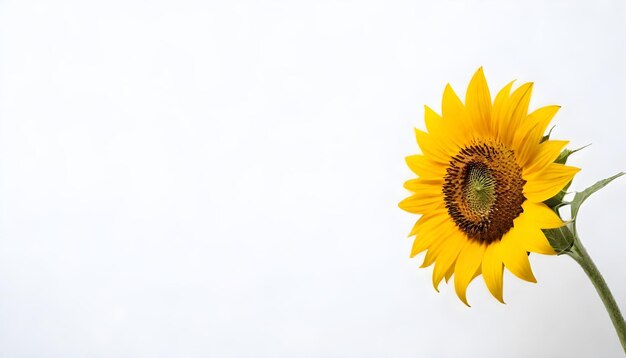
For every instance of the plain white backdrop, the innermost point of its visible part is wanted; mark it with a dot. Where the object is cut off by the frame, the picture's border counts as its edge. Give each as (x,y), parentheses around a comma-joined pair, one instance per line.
(221,178)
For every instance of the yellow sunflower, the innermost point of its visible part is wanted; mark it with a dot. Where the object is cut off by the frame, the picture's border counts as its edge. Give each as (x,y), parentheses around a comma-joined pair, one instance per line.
(482,181)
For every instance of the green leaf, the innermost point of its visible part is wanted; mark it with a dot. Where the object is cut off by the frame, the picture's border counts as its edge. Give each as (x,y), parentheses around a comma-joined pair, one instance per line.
(580,197)
(560,239)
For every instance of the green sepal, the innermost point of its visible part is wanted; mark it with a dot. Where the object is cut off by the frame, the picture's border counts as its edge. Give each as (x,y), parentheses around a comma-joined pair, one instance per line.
(562,158)
(580,197)
(547,136)
(560,239)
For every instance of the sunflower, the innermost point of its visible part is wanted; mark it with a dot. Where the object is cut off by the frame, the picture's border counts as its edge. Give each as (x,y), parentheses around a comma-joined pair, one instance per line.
(483,177)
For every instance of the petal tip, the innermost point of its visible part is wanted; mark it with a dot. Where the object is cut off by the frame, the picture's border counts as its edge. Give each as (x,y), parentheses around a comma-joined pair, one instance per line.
(498,296)
(448,91)
(461,292)
(403,205)
(436,285)
(465,301)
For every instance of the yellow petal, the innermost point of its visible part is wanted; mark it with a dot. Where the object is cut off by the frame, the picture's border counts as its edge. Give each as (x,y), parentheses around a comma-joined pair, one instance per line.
(424,167)
(452,108)
(515,257)
(467,264)
(493,268)
(421,243)
(418,204)
(541,186)
(434,122)
(433,251)
(436,127)
(546,153)
(478,101)
(447,257)
(443,235)
(427,233)
(447,134)
(516,109)
(540,215)
(431,239)
(478,271)
(450,272)
(430,220)
(431,148)
(499,109)
(534,240)
(427,187)
(531,132)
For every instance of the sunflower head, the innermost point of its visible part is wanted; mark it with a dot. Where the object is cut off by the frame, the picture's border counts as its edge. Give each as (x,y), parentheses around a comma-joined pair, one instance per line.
(482,179)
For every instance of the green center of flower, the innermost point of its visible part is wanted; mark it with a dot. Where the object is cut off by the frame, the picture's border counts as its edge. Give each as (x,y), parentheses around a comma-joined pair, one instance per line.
(483,191)
(479,189)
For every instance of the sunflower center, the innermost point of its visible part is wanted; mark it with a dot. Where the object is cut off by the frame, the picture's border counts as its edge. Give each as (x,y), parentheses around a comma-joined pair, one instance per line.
(483,190)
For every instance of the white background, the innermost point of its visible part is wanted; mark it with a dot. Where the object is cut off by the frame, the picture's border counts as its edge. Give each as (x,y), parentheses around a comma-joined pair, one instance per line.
(221,178)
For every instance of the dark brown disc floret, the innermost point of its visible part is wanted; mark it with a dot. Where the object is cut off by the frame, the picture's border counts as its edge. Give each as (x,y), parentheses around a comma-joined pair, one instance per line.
(483,191)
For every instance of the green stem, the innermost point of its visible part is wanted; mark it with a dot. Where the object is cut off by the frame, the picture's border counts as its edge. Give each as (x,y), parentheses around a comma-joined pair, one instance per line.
(578,253)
